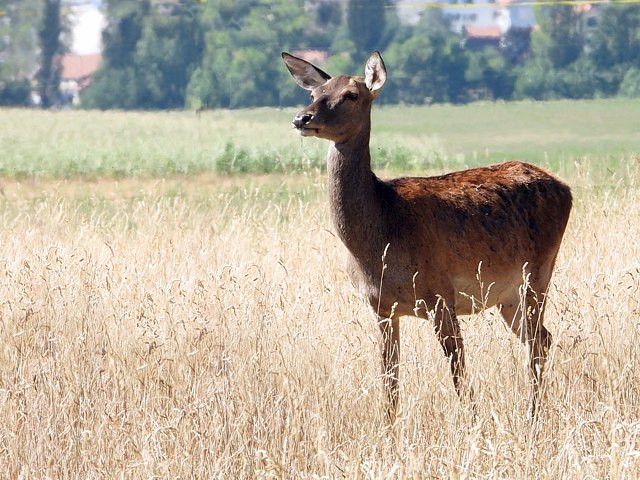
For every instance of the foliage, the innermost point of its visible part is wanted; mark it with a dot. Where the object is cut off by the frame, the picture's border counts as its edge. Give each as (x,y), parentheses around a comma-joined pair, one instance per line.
(487,76)
(617,40)
(560,39)
(115,85)
(429,65)
(18,38)
(630,86)
(241,64)
(149,56)
(166,54)
(540,82)
(516,46)
(614,48)
(225,54)
(51,46)
(366,22)
(113,88)
(15,93)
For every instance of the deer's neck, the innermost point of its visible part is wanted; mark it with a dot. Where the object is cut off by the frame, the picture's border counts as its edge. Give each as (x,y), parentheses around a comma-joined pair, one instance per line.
(356,210)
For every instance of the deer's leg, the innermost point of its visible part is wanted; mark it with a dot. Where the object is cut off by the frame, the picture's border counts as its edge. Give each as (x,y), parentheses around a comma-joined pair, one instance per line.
(390,343)
(448,333)
(525,315)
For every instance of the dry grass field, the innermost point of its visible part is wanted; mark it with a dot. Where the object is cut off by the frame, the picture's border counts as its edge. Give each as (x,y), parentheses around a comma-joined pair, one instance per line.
(204,327)
(199,334)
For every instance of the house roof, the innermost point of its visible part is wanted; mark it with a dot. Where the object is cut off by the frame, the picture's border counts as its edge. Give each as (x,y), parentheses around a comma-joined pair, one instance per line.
(78,67)
(582,8)
(488,33)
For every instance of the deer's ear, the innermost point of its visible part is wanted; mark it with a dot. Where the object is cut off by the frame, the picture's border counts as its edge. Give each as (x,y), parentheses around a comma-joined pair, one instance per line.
(375,73)
(306,75)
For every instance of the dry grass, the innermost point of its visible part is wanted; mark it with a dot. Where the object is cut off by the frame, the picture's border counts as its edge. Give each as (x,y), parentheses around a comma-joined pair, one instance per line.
(188,329)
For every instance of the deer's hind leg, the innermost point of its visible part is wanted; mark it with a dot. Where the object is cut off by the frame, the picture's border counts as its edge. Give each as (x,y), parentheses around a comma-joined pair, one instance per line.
(524,314)
(448,332)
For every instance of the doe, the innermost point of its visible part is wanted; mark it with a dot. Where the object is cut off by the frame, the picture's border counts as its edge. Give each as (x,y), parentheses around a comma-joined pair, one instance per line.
(435,232)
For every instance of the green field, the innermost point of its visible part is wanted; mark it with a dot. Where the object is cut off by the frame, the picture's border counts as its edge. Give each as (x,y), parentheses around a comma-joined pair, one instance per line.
(174,303)
(595,134)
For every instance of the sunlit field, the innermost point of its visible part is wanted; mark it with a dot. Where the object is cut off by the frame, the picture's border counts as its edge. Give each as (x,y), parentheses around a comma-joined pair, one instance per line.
(161,317)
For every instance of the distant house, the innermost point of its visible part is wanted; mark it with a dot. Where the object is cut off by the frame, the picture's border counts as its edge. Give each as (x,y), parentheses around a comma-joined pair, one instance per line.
(76,73)
(478,37)
(478,18)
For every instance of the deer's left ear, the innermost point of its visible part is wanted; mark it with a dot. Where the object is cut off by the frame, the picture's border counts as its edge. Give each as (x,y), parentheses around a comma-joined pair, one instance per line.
(375,73)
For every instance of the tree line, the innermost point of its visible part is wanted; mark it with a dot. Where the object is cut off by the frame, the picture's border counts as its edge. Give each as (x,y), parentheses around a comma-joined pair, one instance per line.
(31,39)
(226,53)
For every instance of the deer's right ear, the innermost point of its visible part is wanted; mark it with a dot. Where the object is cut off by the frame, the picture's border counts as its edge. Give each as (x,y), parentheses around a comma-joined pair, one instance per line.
(306,75)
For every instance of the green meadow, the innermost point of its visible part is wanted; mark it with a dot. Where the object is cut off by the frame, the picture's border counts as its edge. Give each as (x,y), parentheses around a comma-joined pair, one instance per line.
(559,135)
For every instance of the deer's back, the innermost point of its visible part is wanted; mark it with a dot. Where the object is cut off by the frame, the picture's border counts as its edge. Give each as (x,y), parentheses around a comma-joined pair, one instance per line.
(488,202)
(503,216)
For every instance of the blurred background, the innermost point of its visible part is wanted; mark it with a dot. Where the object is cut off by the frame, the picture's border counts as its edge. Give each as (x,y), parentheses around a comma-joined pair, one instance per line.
(205,54)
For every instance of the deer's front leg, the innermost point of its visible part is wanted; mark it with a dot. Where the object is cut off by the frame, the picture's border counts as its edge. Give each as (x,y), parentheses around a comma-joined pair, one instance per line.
(390,343)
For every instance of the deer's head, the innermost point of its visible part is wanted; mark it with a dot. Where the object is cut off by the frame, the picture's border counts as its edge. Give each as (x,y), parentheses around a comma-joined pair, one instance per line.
(340,106)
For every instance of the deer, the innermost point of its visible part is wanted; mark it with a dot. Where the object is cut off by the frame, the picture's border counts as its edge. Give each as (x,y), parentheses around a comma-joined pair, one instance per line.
(416,245)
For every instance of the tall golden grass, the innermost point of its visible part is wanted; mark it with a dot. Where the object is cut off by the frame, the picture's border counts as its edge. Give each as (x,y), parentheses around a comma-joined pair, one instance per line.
(206,328)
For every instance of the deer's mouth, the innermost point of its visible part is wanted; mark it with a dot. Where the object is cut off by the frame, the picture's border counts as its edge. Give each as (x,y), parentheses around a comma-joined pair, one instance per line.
(308,132)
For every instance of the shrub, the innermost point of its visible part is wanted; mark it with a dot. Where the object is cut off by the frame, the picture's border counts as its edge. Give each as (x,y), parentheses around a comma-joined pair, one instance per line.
(630,86)
(15,93)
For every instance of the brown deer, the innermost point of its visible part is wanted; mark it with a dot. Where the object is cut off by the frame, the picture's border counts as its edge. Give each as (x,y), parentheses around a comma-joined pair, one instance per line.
(435,233)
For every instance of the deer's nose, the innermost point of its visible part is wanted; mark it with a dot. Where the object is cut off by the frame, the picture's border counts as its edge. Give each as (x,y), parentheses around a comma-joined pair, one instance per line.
(302,119)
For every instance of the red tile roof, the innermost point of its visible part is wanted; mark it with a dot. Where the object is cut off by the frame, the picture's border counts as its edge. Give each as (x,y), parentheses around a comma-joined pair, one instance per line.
(78,67)
(471,31)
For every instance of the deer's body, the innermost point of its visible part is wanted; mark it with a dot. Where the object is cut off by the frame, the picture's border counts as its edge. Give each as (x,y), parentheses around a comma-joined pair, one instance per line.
(453,242)
(504,216)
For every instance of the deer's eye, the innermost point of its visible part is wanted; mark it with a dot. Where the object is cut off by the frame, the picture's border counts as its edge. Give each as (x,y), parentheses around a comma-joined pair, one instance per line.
(353,96)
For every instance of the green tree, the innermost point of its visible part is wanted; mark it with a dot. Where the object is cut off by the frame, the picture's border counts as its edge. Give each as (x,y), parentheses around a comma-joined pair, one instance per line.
(366,22)
(325,20)
(630,85)
(614,47)
(533,81)
(616,39)
(576,81)
(240,65)
(18,49)
(19,38)
(124,29)
(556,68)
(517,46)
(560,40)
(117,84)
(429,65)
(15,92)
(51,46)
(166,55)
(328,14)
(488,75)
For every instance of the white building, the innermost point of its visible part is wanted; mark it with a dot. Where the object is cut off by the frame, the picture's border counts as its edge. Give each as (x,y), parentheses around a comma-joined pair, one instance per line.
(475,15)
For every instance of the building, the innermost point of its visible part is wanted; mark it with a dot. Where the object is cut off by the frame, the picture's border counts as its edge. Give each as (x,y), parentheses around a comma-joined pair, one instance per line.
(473,15)
(75,74)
